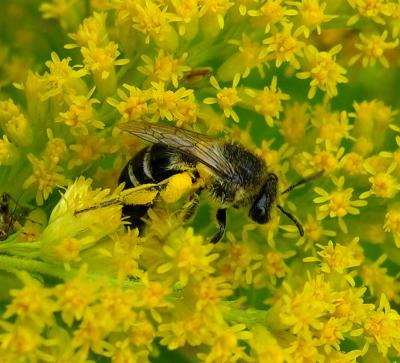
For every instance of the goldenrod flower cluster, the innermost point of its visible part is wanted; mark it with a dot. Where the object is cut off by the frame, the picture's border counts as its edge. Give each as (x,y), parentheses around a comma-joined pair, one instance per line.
(306,85)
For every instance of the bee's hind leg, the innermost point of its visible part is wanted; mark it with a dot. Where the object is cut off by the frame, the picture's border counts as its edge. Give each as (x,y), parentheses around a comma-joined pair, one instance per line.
(221,219)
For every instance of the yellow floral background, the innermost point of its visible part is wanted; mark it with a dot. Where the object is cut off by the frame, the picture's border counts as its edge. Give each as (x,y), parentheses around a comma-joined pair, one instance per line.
(307,85)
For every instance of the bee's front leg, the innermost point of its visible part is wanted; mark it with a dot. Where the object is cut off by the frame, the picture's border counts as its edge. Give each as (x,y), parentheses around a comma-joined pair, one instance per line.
(221,219)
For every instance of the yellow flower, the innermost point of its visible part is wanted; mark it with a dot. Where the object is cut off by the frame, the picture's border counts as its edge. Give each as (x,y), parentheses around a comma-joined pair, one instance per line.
(383,184)
(47,177)
(215,9)
(188,13)
(294,123)
(165,68)
(381,327)
(270,13)
(312,14)
(67,12)
(339,258)
(88,149)
(226,97)
(32,303)
(75,296)
(155,24)
(268,102)
(165,102)
(314,232)
(338,203)
(91,30)
(372,48)
(225,344)
(101,61)
(285,47)
(62,80)
(23,340)
(80,114)
(55,148)
(133,106)
(189,257)
(331,126)
(378,281)
(373,9)
(325,72)
(250,55)
(392,224)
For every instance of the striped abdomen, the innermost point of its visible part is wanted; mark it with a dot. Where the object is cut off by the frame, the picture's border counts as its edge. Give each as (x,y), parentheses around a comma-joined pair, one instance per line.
(152,164)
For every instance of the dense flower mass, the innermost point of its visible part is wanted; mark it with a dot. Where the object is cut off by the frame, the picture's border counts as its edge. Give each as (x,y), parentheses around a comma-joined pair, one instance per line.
(308,86)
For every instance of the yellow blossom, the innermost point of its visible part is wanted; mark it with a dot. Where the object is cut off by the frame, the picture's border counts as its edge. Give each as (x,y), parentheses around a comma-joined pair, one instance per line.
(268,102)
(381,327)
(392,224)
(80,115)
(379,281)
(188,13)
(314,232)
(164,68)
(338,203)
(165,102)
(101,61)
(214,9)
(339,258)
(294,123)
(133,106)
(155,24)
(372,49)
(373,9)
(383,184)
(91,30)
(352,164)
(19,130)
(89,148)
(62,80)
(226,97)
(285,47)
(23,340)
(55,148)
(325,72)
(312,14)
(225,346)
(32,303)
(67,12)
(250,55)
(188,257)
(47,177)
(270,13)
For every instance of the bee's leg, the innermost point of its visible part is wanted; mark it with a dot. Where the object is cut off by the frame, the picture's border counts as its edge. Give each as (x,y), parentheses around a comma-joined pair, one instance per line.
(221,219)
(134,214)
(189,209)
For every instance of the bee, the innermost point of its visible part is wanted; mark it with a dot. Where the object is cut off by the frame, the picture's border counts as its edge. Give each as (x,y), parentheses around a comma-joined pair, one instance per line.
(7,217)
(235,177)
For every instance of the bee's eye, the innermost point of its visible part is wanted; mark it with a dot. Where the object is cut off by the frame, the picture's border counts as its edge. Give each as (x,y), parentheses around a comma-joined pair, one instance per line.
(259,211)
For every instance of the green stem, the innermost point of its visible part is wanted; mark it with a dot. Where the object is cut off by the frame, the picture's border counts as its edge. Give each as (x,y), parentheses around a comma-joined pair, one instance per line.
(245,316)
(12,264)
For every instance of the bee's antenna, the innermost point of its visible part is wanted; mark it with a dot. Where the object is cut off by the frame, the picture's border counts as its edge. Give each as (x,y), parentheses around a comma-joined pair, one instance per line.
(303,181)
(293,219)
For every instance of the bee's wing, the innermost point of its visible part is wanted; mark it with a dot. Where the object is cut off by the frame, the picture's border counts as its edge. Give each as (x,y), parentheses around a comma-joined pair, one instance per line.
(205,149)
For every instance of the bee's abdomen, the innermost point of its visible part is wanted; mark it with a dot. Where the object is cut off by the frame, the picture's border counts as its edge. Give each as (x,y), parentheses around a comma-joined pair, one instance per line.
(154,164)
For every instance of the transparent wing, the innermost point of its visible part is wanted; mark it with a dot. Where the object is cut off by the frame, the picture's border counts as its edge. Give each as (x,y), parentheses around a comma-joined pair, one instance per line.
(205,149)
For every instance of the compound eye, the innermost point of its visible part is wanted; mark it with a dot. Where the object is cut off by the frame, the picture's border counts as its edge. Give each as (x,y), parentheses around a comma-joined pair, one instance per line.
(258,211)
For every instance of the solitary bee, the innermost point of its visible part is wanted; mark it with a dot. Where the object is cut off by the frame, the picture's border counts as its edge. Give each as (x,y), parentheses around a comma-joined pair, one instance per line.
(235,177)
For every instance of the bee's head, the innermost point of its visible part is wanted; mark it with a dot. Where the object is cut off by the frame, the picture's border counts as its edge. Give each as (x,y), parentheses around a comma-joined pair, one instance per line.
(260,210)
